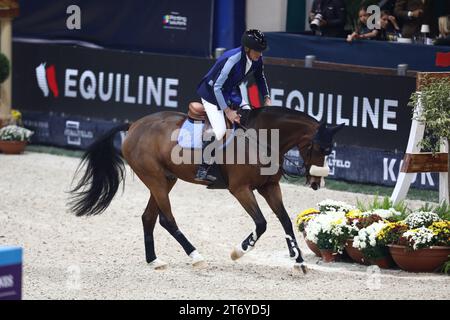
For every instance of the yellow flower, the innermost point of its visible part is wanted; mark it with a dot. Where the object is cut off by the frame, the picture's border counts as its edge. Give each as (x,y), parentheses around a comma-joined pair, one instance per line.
(440,227)
(305,215)
(15,114)
(355,213)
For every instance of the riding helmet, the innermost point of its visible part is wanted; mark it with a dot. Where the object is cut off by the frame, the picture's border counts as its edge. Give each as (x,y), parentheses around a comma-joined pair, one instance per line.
(254,39)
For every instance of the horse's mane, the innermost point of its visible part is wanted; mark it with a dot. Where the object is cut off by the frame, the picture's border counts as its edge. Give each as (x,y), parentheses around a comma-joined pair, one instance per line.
(280,111)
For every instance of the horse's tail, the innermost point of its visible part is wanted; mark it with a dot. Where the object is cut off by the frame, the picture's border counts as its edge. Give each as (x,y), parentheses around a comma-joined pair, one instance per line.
(105,170)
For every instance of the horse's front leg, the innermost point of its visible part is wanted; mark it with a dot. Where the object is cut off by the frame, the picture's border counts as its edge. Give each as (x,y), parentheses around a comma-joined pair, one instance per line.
(272,193)
(247,199)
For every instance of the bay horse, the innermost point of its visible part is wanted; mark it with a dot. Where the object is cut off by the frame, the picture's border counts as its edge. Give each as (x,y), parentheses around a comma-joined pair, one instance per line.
(147,149)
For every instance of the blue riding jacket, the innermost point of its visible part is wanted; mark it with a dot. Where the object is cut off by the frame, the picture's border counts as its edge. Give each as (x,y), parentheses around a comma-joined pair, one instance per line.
(220,85)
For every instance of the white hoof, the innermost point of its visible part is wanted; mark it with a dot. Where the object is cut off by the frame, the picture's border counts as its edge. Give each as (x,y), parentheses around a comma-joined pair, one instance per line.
(238,252)
(300,267)
(158,264)
(197,259)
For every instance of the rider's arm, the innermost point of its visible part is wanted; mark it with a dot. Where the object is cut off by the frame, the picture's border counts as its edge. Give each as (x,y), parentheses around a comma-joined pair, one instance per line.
(261,81)
(223,76)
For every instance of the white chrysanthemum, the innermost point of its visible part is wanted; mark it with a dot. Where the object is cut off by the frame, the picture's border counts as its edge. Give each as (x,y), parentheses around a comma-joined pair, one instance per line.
(330,206)
(420,238)
(368,236)
(15,133)
(421,219)
(386,213)
(332,223)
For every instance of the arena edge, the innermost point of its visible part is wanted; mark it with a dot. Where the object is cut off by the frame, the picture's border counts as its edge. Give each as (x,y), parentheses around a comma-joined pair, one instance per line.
(162,92)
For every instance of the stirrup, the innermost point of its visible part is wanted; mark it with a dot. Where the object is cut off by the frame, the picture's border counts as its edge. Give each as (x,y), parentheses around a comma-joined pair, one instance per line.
(202,174)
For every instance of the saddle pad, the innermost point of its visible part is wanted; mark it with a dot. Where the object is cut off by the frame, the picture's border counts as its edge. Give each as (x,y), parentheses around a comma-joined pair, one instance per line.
(190,135)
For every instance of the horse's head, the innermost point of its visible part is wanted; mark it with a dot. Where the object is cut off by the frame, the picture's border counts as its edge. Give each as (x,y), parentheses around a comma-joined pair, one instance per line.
(314,153)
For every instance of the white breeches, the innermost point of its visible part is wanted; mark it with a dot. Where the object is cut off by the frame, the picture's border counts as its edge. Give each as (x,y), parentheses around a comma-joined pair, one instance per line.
(216,118)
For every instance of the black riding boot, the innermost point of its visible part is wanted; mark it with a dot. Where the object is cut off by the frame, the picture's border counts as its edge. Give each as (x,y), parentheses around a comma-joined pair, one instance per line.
(202,172)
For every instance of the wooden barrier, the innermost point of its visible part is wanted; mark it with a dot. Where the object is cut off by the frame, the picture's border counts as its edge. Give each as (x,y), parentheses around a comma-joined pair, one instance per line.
(415,161)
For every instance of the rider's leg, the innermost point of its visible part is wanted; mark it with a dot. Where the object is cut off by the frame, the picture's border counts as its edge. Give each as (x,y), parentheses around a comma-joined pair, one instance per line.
(217,119)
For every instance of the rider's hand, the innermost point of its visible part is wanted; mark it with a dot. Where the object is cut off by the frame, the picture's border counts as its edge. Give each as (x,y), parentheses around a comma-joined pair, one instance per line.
(232,115)
(267,102)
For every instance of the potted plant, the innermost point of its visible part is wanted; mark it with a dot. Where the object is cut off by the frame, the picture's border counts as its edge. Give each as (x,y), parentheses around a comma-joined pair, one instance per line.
(325,207)
(4,74)
(421,243)
(329,231)
(372,246)
(301,222)
(434,98)
(13,139)
(358,220)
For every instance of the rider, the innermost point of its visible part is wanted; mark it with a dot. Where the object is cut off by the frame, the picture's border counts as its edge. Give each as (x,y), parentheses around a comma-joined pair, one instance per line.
(217,89)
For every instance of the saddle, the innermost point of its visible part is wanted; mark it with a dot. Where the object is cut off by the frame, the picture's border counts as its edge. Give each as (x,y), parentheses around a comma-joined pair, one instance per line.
(197,111)
(191,135)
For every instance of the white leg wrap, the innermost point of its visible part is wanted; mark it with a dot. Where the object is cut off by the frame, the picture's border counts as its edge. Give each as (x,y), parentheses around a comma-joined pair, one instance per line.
(196,257)
(158,264)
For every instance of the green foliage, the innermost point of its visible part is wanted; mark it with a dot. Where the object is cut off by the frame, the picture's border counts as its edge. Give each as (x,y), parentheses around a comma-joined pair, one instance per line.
(435,98)
(385,203)
(4,68)
(375,253)
(446,267)
(442,209)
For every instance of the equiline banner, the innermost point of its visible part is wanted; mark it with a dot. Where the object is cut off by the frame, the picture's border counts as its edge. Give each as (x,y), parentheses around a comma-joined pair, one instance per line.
(70,95)
(119,85)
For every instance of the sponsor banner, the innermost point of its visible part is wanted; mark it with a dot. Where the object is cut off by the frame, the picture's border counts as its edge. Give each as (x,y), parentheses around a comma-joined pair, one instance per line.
(68,131)
(373,108)
(366,165)
(10,273)
(104,84)
(108,84)
(353,164)
(170,26)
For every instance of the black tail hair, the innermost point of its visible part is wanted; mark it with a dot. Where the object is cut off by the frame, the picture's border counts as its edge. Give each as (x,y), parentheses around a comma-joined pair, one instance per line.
(105,170)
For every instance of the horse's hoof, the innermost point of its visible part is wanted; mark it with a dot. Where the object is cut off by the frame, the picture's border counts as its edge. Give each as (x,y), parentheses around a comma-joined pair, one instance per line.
(197,260)
(300,267)
(158,264)
(200,264)
(236,253)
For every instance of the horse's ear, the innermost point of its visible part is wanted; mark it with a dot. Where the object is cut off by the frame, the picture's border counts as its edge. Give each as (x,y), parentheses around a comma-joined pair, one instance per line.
(334,130)
(322,126)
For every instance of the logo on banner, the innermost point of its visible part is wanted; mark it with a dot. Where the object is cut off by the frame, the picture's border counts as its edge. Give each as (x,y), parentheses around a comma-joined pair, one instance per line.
(390,173)
(46,79)
(106,87)
(175,21)
(334,163)
(74,134)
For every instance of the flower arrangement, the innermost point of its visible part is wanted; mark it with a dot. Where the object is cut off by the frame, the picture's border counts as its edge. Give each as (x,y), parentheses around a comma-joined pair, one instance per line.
(329,205)
(369,243)
(304,216)
(417,231)
(421,219)
(15,133)
(381,234)
(329,231)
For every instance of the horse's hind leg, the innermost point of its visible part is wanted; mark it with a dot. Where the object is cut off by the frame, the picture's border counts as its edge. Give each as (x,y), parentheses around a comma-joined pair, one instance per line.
(168,222)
